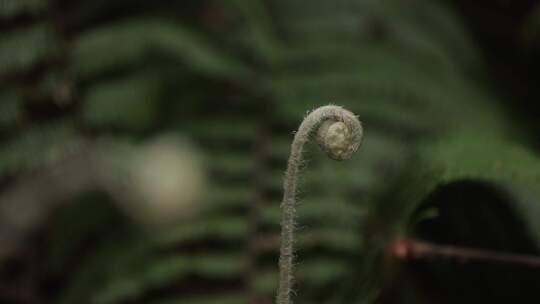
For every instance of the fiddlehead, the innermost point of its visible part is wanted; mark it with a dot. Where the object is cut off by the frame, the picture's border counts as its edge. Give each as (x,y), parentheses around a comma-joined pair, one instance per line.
(339,135)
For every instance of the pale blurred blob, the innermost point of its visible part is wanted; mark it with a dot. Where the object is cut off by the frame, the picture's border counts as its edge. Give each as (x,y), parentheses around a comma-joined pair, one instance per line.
(163,183)
(157,183)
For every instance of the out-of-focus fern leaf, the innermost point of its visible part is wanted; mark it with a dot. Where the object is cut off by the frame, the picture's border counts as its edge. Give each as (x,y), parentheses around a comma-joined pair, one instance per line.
(404,68)
(144,41)
(531,27)
(12,8)
(467,158)
(221,298)
(130,103)
(155,273)
(11,108)
(258,34)
(509,168)
(36,147)
(21,49)
(92,276)
(69,231)
(228,229)
(228,132)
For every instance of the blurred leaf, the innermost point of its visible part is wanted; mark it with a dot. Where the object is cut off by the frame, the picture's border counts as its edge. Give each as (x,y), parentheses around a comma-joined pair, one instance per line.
(131,103)
(24,48)
(12,8)
(134,42)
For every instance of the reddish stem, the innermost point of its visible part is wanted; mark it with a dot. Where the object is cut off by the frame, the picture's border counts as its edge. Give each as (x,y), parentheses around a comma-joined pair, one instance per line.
(413,249)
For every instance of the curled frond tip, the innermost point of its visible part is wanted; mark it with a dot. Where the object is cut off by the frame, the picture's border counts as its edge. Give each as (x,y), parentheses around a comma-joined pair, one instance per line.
(339,134)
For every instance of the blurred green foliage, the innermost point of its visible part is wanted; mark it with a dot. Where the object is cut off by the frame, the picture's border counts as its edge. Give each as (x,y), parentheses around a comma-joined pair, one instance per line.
(236,77)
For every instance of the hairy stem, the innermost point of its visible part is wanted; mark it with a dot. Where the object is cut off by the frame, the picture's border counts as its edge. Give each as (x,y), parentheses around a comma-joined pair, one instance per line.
(339,135)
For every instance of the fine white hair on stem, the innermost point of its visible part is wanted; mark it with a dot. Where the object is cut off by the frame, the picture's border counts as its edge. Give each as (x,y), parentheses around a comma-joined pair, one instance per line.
(339,134)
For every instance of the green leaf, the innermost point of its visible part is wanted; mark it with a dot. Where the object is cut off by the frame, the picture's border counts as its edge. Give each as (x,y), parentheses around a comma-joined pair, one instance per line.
(11,108)
(498,162)
(129,103)
(12,8)
(22,49)
(137,42)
